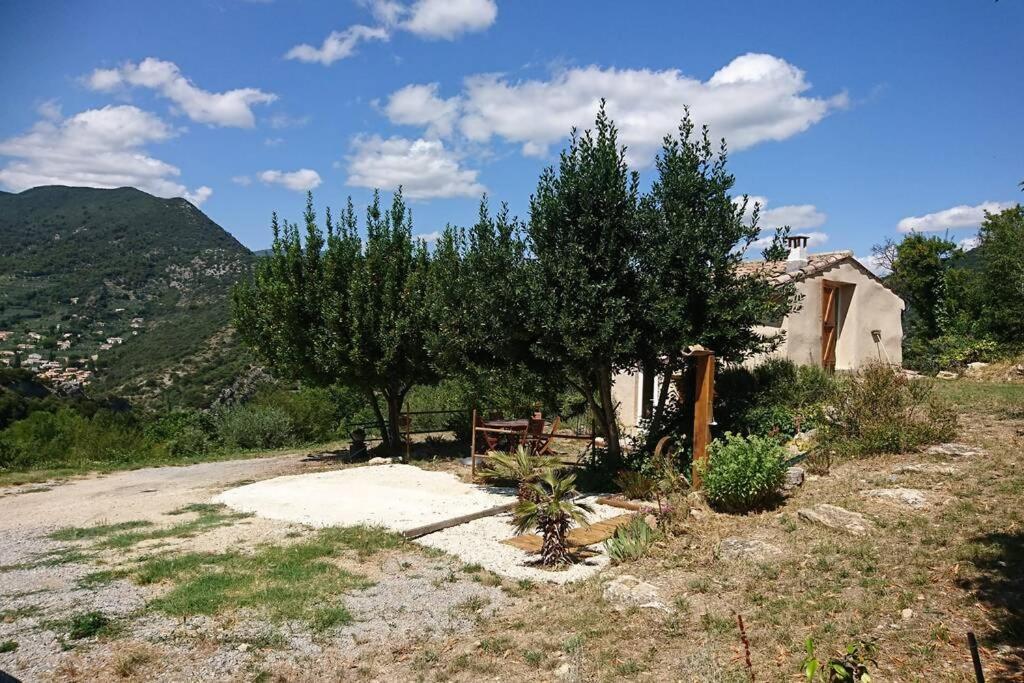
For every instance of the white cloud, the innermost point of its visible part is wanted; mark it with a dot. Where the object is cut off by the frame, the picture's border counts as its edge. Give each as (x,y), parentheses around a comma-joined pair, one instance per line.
(424,168)
(874,264)
(431,19)
(796,216)
(286,121)
(419,105)
(447,19)
(94,148)
(200,195)
(969,243)
(242,180)
(337,45)
(430,237)
(50,110)
(229,108)
(753,99)
(962,216)
(273,142)
(301,180)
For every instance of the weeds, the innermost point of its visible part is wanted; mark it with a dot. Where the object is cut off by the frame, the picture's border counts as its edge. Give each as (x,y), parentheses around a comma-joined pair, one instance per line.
(631,541)
(8,646)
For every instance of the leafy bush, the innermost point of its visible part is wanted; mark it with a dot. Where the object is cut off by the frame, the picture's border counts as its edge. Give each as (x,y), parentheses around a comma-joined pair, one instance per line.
(252,426)
(743,473)
(879,410)
(631,542)
(312,412)
(776,397)
(66,438)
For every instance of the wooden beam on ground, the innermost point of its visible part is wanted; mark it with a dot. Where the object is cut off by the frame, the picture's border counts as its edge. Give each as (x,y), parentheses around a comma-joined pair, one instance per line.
(455,521)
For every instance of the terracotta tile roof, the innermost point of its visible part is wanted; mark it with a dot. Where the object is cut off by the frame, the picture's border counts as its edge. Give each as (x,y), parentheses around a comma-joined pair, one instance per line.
(776,270)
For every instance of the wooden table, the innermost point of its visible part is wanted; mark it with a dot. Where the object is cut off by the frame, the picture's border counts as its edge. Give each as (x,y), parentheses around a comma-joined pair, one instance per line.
(511,425)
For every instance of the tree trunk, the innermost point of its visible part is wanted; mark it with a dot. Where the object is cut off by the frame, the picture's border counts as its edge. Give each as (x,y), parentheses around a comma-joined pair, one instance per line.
(395,398)
(609,417)
(381,424)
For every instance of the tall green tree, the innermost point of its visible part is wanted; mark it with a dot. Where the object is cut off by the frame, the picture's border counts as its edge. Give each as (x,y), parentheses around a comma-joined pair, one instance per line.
(918,266)
(1001,244)
(583,231)
(695,238)
(333,309)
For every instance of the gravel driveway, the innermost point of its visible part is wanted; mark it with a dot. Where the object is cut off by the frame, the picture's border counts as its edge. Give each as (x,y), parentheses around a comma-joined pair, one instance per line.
(416,595)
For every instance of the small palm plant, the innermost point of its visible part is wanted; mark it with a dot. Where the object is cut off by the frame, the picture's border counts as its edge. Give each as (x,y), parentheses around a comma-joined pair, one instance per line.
(519,467)
(551,510)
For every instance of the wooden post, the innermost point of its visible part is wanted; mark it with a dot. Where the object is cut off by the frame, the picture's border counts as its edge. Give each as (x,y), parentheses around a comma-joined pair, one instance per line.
(704,392)
(472,448)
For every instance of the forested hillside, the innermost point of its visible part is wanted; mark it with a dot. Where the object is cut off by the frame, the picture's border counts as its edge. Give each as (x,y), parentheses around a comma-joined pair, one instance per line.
(118,289)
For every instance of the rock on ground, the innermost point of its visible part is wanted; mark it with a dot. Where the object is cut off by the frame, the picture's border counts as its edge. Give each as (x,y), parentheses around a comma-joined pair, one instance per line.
(751,549)
(909,497)
(794,478)
(629,591)
(946,374)
(836,518)
(955,450)
(924,468)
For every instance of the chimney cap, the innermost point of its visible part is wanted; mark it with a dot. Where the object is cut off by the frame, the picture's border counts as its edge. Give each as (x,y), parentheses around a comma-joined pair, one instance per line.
(796,241)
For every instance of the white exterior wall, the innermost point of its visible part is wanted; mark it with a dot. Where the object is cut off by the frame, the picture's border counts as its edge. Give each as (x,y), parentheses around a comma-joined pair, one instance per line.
(865,305)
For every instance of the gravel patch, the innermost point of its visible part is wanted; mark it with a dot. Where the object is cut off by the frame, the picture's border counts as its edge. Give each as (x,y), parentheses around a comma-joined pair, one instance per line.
(397,497)
(479,542)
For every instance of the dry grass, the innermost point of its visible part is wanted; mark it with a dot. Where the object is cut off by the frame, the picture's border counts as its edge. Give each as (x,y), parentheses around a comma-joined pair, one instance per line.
(957,565)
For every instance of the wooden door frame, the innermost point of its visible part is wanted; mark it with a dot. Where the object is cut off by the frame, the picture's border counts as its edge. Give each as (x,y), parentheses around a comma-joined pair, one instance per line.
(830,324)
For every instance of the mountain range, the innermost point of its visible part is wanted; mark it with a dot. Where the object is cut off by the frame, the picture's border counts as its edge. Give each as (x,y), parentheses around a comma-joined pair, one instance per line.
(130,288)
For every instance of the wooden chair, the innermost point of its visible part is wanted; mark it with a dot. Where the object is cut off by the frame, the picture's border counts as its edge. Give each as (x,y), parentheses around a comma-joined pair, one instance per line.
(486,441)
(543,444)
(534,432)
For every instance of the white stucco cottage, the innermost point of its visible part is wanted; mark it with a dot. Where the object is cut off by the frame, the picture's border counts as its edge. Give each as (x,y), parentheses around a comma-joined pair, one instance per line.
(847,317)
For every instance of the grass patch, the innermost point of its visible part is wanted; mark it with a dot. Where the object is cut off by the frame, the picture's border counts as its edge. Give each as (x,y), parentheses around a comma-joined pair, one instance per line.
(365,540)
(326,618)
(127,664)
(209,517)
(90,624)
(1000,398)
(8,616)
(283,582)
(102,578)
(8,646)
(74,533)
(53,558)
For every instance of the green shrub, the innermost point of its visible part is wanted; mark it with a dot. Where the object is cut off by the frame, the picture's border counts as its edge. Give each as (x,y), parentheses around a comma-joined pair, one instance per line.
(312,412)
(631,542)
(743,473)
(776,397)
(66,438)
(251,426)
(879,410)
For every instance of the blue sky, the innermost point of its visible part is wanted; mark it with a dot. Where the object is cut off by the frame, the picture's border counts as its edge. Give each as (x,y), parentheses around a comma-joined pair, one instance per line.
(852,121)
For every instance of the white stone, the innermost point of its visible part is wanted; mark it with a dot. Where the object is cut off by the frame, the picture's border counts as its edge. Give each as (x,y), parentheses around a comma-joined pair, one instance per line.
(909,497)
(794,477)
(955,450)
(946,374)
(837,518)
(925,468)
(628,591)
(907,614)
(752,549)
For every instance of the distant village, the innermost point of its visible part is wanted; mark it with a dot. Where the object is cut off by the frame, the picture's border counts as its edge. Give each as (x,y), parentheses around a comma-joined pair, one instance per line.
(66,360)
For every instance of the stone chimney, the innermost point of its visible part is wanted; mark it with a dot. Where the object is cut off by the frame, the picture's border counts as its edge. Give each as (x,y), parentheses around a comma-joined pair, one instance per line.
(797,252)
